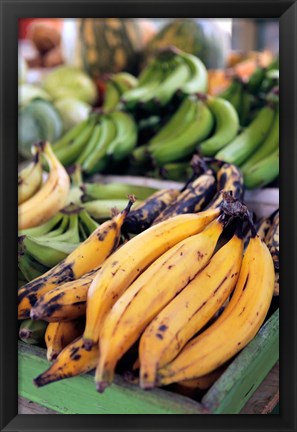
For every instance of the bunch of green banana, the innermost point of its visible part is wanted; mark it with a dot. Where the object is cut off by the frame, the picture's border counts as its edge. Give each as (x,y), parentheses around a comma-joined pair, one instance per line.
(115,86)
(170,72)
(43,247)
(87,256)
(98,142)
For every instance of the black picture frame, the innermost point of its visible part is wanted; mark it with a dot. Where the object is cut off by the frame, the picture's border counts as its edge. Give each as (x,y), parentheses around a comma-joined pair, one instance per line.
(286,11)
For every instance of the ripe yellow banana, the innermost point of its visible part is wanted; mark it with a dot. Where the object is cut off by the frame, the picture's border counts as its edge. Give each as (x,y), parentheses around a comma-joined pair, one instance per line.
(128,262)
(165,337)
(30,178)
(237,325)
(50,198)
(86,257)
(72,361)
(59,334)
(150,292)
(64,303)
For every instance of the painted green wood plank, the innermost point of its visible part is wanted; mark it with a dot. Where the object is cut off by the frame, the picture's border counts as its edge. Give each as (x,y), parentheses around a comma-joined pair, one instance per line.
(240,380)
(78,395)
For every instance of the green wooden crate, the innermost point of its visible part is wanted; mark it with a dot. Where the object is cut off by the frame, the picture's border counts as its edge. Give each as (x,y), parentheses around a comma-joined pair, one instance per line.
(227,396)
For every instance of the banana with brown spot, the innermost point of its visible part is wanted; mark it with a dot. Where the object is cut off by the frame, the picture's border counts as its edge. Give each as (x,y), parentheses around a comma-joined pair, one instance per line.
(59,334)
(72,361)
(128,262)
(150,293)
(165,337)
(241,320)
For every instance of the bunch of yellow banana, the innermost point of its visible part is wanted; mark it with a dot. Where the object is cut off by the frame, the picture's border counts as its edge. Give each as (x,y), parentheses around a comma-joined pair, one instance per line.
(38,201)
(183,288)
(240,321)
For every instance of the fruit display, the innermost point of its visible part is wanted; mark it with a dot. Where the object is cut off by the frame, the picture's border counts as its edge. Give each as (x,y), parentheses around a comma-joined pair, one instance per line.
(147,255)
(122,300)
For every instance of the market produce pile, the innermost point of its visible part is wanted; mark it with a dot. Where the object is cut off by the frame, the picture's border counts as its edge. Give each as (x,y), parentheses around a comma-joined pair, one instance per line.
(163,275)
(151,277)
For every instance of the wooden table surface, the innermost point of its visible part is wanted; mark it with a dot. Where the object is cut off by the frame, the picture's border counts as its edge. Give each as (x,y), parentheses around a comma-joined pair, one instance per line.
(263,400)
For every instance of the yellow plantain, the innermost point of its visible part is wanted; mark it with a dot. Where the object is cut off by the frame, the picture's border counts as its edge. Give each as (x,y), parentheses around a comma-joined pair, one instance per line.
(190,310)
(64,303)
(150,293)
(237,325)
(86,257)
(50,198)
(128,262)
(30,178)
(72,361)
(59,334)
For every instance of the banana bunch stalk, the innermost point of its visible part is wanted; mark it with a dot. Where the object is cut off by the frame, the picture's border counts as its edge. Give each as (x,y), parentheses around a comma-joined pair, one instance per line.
(98,142)
(89,255)
(170,72)
(51,196)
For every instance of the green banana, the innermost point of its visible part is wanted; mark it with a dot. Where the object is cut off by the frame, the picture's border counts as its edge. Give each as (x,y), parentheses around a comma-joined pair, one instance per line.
(57,231)
(148,80)
(263,172)
(91,144)
(247,101)
(270,143)
(98,160)
(185,144)
(256,79)
(95,191)
(178,171)
(44,228)
(49,253)
(29,267)
(173,80)
(68,154)
(198,81)
(126,136)
(177,124)
(226,125)
(103,209)
(86,223)
(112,96)
(70,136)
(32,332)
(239,150)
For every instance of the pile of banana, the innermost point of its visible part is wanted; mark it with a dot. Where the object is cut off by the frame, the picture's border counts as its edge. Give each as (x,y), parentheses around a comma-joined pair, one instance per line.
(99,142)
(118,292)
(171,71)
